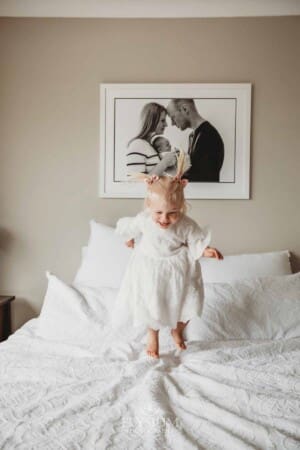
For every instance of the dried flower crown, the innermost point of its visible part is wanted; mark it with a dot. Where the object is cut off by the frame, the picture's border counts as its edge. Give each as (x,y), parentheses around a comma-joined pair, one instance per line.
(183,165)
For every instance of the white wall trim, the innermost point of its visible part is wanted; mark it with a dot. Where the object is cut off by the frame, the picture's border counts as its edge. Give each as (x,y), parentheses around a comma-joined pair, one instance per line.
(148,9)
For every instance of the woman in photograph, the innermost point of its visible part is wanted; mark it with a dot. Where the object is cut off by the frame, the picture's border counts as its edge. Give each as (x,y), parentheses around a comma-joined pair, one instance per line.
(142,156)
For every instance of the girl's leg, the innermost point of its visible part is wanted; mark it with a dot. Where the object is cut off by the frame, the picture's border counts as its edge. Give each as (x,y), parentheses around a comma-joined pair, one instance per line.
(152,343)
(177,335)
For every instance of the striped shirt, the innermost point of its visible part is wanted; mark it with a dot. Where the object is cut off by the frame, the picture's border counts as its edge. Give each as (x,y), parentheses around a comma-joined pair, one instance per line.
(141,157)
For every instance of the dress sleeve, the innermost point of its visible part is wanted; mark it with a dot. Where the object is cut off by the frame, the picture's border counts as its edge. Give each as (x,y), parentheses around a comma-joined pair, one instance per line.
(130,227)
(198,239)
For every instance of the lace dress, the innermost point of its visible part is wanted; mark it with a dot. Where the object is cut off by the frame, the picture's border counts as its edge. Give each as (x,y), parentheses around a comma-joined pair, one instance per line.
(162,283)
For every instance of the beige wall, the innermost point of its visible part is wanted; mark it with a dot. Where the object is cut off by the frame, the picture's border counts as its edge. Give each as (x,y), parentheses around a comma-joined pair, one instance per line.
(49,119)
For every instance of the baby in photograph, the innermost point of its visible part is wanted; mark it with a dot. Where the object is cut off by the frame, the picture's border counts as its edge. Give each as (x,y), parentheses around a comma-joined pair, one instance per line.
(162,146)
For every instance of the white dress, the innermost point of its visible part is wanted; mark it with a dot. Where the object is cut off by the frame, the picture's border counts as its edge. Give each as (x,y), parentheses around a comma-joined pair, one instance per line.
(162,284)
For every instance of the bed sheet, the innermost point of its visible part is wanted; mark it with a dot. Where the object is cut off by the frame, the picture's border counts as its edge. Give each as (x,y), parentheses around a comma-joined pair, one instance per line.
(214,395)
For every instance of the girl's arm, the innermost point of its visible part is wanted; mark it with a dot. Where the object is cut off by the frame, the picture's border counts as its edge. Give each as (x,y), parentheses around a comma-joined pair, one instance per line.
(198,239)
(130,228)
(211,252)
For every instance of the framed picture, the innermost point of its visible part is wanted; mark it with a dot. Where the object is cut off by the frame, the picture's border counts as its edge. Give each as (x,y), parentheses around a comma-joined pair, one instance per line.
(142,126)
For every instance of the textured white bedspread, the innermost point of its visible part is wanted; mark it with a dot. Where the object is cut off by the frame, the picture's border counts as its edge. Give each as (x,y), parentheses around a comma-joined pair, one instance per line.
(224,395)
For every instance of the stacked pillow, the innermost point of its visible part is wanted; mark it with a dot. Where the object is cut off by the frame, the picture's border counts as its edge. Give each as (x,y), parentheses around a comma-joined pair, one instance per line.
(257,308)
(106,256)
(239,267)
(104,260)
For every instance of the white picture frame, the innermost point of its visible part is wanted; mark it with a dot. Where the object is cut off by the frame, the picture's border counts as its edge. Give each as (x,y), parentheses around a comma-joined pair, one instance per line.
(226,106)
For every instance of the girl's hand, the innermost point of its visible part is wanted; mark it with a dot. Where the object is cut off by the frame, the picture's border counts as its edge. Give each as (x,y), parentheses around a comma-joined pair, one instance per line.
(211,252)
(130,243)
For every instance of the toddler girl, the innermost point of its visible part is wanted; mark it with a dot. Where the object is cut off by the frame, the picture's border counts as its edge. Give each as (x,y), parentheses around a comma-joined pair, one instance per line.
(162,285)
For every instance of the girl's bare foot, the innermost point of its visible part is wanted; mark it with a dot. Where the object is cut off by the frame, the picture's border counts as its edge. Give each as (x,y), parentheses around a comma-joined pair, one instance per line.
(152,343)
(177,335)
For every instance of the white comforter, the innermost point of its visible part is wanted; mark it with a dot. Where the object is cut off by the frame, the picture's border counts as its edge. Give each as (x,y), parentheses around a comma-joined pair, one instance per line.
(222,395)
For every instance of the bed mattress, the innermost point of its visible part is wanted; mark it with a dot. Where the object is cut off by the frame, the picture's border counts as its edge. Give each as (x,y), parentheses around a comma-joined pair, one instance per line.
(214,395)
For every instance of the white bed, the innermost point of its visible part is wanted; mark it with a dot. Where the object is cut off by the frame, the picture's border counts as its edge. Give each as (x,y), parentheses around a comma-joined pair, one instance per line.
(68,382)
(215,395)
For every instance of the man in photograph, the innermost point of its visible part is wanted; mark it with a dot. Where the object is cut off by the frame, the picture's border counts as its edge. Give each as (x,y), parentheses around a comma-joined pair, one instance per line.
(206,147)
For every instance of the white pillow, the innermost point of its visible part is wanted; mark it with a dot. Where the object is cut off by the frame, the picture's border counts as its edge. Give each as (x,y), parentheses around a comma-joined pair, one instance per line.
(81,317)
(261,308)
(105,259)
(83,251)
(238,267)
(74,317)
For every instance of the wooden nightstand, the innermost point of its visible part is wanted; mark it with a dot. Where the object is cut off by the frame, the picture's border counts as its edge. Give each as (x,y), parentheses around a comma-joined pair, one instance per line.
(5,316)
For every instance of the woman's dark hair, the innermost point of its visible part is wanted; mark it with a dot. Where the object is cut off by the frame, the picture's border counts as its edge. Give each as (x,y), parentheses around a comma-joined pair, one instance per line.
(150,116)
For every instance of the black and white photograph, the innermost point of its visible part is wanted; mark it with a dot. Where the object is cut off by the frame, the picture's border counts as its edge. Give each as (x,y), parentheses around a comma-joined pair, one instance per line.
(142,133)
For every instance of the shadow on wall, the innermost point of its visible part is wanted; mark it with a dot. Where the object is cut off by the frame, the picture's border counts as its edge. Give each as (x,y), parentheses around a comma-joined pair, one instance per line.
(6,240)
(21,308)
(22,311)
(295,262)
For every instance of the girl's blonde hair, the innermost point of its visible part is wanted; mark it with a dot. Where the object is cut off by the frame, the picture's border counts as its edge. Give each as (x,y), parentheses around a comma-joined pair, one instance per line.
(168,188)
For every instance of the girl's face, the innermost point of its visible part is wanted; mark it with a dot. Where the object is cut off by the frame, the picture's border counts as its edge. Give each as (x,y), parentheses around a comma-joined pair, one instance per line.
(163,213)
(161,124)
